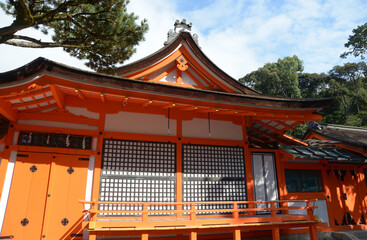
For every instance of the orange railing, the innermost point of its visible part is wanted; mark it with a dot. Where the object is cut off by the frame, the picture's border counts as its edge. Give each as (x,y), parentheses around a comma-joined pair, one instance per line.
(143,215)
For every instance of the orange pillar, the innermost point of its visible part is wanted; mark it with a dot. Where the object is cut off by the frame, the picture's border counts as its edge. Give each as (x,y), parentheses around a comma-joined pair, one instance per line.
(193,235)
(237,234)
(248,167)
(275,233)
(313,232)
(92,236)
(144,236)
(179,167)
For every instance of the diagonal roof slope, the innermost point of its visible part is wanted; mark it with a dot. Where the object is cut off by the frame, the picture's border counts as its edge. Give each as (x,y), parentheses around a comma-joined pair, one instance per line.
(185,43)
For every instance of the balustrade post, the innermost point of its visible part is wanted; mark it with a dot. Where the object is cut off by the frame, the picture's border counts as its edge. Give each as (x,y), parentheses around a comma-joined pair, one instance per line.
(309,208)
(192,212)
(145,212)
(93,212)
(275,233)
(273,212)
(144,236)
(235,213)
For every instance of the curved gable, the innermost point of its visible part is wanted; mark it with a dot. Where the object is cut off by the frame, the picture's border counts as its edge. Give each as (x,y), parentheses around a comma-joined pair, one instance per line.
(182,63)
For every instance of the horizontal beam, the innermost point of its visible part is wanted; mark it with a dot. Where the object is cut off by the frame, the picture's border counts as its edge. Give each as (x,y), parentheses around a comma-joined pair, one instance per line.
(59,118)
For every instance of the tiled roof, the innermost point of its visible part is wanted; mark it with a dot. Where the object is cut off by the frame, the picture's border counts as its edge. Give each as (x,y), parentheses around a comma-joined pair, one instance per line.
(331,154)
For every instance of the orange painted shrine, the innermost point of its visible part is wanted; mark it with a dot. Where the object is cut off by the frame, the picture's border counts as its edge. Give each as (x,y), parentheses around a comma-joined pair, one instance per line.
(170,148)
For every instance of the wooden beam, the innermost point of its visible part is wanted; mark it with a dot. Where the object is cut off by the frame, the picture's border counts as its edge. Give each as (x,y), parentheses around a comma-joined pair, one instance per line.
(59,116)
(208,110)
(103,98)
(147,103)
(189,108)
(295,139)
(124,102)
(171,105)
(79,94)
(7,111)
(58,95)
(162,75)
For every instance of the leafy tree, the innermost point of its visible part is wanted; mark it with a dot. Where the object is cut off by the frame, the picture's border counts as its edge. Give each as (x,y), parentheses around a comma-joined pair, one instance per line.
(277,79)
(312,85)
(357,42)
(347,84)
(100,31)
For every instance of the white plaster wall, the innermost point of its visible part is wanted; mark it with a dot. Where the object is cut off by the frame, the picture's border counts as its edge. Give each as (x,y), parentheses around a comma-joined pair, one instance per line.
(139,123)
(187,80)
(198,78)
(171,77)
(321,211)
(82,112)
(57,124)
(199,128)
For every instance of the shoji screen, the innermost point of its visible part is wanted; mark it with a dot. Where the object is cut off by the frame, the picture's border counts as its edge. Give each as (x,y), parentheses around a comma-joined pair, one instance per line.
(213,173)
(137,171)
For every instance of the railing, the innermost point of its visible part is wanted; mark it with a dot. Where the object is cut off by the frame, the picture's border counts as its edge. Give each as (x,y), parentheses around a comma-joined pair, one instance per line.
(239,213)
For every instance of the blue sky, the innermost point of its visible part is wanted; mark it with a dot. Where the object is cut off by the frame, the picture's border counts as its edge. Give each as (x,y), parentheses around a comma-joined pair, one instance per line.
(239,36)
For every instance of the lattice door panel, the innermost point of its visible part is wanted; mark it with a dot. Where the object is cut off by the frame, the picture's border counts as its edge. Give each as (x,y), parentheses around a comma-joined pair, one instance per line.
(213,173)
(136,171)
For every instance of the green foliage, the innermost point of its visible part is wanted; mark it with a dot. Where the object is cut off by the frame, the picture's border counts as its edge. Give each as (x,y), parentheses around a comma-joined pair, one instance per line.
(312,84)
(357,42)
(100,31)
(347,85)
(277,79)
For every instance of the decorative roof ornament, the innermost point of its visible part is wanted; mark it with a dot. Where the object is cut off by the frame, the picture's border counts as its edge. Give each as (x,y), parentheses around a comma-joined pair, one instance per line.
(183,26)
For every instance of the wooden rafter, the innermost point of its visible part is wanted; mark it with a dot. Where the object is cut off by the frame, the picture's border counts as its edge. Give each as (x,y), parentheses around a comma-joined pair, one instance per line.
(103,98)
(49,106)
(124,102)
(267,135)
(79,94)
(170,105)
(31,103)
(147,103)
(286,126)
(280,132)
(28,94)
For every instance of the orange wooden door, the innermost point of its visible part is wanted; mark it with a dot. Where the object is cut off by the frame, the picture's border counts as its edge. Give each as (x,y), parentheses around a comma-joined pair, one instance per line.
(67,184)
(346,201)
(352,198)
(44,197)
(336,201)
(27,197)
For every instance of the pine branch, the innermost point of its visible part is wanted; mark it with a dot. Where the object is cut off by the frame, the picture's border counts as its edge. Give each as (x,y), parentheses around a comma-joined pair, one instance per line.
(28,42)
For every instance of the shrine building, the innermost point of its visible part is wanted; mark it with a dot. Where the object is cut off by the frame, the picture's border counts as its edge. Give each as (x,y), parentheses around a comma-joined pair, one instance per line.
(172,147)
